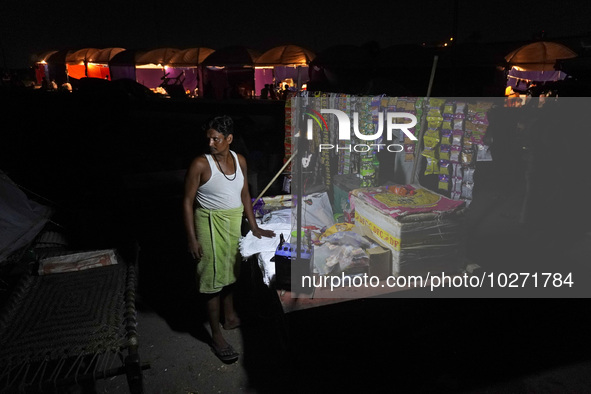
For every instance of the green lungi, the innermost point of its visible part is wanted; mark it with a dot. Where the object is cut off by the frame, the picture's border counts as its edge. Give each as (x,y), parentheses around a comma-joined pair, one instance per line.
(218,232)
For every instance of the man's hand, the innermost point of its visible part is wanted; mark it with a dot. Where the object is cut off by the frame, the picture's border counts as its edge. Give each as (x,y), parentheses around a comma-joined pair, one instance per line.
(258,232)
(195,249)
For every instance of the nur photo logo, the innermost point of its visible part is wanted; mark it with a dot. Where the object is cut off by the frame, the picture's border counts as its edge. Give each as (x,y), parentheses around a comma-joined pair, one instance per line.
(344,130)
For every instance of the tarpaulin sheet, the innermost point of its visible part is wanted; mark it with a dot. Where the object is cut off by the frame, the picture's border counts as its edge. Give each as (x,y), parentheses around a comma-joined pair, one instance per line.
(21,219)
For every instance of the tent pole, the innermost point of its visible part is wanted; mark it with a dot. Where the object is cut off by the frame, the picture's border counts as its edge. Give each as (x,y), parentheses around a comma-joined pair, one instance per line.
(299,192)
(433,68)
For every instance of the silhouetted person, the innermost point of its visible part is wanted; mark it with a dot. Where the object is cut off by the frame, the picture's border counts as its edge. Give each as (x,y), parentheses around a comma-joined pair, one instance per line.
(285,92)
(265,91)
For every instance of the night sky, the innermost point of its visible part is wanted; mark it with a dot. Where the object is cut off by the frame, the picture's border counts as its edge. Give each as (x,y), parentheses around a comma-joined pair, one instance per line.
(28,27)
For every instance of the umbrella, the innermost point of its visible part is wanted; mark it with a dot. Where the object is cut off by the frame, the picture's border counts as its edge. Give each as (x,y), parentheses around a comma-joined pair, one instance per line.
(285,55)
(232,56)
(539,56)
(190,57)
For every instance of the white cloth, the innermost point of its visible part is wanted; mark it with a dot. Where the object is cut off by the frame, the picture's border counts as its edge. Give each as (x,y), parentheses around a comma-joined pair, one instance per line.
(280,222)
(250,245)
(267,266)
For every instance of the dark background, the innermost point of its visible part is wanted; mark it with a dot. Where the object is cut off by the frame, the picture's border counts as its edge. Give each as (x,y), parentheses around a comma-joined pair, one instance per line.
(87,154)
(28,27)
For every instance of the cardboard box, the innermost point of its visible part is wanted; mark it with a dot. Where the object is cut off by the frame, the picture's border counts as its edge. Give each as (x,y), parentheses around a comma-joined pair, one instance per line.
(418,243)
(380,262)
(380,258)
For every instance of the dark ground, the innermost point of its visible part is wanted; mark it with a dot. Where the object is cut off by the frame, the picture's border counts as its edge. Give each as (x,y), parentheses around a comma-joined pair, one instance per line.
(412,343)
(407,344)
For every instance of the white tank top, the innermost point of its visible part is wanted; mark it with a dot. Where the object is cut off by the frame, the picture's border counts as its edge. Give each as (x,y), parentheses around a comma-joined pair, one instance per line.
(219,192)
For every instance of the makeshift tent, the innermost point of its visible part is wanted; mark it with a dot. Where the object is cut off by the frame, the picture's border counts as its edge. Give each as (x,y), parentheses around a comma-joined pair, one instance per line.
(122,65)
(21,219)
(50,66)
(150,66)
(282,62)
(186,64)
(534,63)
(229,72)
(41,66)
(77,62)
(98,63)
(234,56)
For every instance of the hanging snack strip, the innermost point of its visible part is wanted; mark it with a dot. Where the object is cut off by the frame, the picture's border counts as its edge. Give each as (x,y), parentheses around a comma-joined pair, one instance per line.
(455,134)
(367,157)
(325,139)
(413,106)
(432,136)
(344,152)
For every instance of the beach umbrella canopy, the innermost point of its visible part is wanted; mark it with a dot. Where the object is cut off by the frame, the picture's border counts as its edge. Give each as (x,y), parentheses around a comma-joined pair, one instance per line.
(105,55)
(232,56)
(539,56)
(190,57)
(160,56)
(285,55)
(80,56)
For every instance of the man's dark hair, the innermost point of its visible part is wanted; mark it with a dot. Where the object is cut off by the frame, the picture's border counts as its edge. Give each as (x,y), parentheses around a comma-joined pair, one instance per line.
(222,124)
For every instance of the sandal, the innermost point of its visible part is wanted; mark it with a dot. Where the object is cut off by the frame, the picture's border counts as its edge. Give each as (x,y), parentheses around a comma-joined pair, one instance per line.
(227,354)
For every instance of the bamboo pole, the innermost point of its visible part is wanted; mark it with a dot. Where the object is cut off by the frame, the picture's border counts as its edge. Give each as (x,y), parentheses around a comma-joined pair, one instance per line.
(274,178)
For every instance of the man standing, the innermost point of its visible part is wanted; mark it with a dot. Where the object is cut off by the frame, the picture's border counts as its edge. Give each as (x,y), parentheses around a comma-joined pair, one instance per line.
(216,196)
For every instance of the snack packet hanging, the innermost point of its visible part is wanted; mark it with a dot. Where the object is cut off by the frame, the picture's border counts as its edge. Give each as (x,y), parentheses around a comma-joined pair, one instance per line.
(444,166)
(468,174)
(467,188)
(457,137)
(466,157)
(444,151)
(483,153)
(454,154)
(460,112)
(429,152)
(467,141)
(436,103)
(446,136)
(448,108)
(432,167)
(457,170)
(443,182)
(456,185)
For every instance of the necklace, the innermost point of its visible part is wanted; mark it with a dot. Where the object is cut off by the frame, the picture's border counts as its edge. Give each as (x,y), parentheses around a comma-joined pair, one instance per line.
(222,171)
